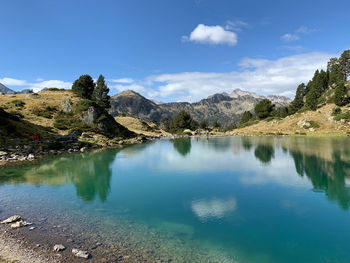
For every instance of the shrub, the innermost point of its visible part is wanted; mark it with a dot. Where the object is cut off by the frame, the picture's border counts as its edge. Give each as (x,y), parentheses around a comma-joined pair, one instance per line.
(247,116)
(336,111)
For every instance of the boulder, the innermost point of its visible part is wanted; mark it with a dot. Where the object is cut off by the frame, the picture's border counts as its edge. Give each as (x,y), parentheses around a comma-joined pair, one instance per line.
(67,105)
(59,248)
(2,153)
(80,253)
(19,224)
(11,219)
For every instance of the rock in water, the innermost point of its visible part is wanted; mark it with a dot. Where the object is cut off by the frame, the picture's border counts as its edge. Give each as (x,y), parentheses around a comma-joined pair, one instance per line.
(12,219)
(19,224)
(80,253)
(59,248)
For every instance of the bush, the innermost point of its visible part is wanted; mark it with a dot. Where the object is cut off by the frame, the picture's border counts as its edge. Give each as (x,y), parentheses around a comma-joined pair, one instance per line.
(55,89)
(15,115)
(336,111)
(268,119)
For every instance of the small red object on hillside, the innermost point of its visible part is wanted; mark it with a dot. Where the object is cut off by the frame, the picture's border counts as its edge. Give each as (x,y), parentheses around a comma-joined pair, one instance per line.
(35,137)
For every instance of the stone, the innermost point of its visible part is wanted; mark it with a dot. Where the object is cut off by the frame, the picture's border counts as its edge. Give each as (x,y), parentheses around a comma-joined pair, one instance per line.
(19,224)
(31,156)
(2,153)
(32,228)
(83,149)
(67,105)
(59,248)
(311,129)
(80,253)
(11,219)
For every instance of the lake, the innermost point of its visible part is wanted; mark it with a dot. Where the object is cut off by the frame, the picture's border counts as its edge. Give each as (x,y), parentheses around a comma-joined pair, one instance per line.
(230,199)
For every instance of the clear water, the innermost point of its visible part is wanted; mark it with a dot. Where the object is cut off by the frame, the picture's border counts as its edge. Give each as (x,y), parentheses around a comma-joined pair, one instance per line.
(232,199)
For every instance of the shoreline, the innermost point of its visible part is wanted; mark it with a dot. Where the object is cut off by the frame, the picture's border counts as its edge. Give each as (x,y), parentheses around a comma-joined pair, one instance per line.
(10,159)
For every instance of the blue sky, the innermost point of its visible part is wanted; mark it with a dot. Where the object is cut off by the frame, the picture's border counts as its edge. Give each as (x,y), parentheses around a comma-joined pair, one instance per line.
(170,50)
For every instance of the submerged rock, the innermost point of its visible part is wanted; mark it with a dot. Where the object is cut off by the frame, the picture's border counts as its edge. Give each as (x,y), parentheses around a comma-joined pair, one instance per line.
(80,253)
(11,219)
(58,248)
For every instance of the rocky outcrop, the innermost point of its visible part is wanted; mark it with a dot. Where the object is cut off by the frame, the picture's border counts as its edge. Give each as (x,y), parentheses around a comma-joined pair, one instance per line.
(67,105)
(104,122)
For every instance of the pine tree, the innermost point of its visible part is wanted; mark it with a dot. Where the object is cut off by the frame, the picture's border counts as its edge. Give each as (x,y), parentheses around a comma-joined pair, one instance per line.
(84,87)
(264,108)
(247,116)
(298,101)
(340,98)
(100,94)
(344,62)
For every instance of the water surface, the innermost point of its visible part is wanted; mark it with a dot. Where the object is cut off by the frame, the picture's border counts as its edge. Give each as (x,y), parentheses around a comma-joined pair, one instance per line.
(232,199)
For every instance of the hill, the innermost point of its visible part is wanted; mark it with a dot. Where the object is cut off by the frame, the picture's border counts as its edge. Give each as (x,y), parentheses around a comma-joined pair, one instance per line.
(320,122)
(46,114)
(222,107)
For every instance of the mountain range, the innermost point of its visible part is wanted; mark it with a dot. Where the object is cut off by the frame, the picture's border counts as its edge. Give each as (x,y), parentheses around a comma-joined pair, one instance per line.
(5,90)
(222,107)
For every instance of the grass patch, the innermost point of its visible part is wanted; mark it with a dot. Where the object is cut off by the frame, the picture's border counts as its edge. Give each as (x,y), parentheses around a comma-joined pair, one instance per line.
(48,112)
(345,116)
(248,123)
(268,119)
(18,103)
(313,124)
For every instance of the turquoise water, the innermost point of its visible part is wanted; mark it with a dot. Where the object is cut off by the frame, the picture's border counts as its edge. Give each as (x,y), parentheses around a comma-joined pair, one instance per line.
(232,199)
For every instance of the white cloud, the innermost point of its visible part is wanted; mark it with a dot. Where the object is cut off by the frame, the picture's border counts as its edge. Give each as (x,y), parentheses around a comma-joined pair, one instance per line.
(214,35)
(303,30)
(262,76)
(123,80)
(36,86)
(290,37)
(13,82)
(236,25)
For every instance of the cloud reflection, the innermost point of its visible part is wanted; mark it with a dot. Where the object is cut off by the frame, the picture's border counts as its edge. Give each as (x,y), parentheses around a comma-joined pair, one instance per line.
(213,208)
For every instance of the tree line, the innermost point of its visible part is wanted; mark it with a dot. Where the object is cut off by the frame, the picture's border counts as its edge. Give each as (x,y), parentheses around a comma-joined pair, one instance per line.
(309,96)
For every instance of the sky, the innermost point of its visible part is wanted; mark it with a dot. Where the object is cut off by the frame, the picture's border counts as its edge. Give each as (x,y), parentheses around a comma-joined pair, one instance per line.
(168,50)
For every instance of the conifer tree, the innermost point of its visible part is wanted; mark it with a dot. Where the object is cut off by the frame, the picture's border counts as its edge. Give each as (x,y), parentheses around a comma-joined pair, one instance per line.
(247,116)
(100,94)
(84,87)
(340,98)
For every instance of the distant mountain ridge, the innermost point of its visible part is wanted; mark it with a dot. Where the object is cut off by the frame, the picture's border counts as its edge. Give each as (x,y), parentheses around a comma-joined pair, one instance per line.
(223,107)
(5,90)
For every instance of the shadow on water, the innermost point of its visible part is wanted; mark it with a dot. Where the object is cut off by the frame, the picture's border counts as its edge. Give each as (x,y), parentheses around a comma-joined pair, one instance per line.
(90,173)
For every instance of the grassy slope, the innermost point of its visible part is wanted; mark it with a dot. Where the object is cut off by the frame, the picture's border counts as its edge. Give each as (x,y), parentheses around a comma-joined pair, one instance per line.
(290,125)
(140,127)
